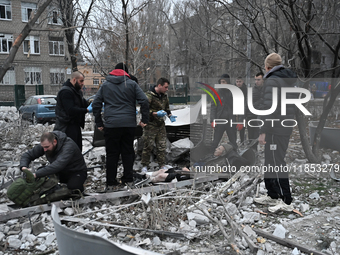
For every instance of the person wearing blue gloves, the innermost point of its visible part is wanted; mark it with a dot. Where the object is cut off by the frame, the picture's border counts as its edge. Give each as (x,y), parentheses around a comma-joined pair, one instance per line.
(154,132)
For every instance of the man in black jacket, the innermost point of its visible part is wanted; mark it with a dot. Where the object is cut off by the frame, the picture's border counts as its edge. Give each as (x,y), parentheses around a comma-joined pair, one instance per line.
(71,108)
(224,111)
(119,94)
(275,136)
(66,160)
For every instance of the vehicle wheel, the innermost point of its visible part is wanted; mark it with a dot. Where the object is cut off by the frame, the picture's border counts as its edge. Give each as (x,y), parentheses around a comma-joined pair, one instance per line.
(34,119)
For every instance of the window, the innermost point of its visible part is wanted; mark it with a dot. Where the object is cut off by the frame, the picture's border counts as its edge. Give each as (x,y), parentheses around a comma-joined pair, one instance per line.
(96,82)
(9,78)
(56,45)
(54,17)
(57,76)
(32,75)
(95,70)
(103,80)
(6,42)
(32,45)
(5,10)
(26,10)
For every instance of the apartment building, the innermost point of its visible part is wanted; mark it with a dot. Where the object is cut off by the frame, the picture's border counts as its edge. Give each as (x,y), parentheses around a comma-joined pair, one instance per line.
(42,59)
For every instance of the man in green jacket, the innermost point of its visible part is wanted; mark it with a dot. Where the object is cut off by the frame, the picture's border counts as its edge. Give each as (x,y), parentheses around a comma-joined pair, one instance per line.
(154,132)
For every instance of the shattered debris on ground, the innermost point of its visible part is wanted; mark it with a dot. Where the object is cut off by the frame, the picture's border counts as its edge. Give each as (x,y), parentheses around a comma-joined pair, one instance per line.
(213,217)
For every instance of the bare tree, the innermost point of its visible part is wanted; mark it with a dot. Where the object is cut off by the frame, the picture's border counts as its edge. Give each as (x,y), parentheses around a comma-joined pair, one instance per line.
(21,37)
(72,15)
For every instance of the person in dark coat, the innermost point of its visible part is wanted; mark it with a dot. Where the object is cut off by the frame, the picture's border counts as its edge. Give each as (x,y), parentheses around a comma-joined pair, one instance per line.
(224,111)
(71,108)
(66,160)
(119,94)
(275,136)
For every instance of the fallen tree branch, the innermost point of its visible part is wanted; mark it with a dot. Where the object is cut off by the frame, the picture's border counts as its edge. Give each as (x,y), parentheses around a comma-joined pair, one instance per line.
(287,243)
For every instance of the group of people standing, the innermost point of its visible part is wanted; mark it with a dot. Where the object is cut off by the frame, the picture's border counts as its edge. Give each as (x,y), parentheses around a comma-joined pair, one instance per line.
(274,137)
(118,97)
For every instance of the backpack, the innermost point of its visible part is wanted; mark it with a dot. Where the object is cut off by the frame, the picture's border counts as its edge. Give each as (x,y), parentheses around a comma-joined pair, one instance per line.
(41,190)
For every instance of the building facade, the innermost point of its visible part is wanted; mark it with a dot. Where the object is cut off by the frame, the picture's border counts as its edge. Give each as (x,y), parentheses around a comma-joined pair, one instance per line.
(42,59)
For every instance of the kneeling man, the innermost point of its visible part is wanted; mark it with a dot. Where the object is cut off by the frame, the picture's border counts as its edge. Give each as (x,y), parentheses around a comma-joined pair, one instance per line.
(66,160)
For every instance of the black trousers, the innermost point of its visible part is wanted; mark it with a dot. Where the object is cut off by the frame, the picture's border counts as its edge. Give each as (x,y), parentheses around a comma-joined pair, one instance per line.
(74,132)
(119,141)
(276,175)
(218,133)
(74,180)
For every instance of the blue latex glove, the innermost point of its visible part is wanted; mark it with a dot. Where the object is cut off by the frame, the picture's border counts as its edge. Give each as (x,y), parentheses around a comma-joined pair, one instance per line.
(136,111)
(173,118)
(161,113)
(89,108)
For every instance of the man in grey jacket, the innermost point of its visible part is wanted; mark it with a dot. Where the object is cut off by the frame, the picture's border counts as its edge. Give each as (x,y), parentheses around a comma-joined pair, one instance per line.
(119,94)
(66,160)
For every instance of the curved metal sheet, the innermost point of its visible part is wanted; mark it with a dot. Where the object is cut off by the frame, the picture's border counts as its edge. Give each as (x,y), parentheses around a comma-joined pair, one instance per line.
(71,242)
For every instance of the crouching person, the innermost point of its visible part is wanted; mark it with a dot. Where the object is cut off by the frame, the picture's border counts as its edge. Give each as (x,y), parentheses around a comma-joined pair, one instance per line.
(66,160)
(62,178)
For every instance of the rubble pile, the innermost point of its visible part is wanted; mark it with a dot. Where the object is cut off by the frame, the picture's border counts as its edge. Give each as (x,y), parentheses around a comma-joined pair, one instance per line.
(217,217)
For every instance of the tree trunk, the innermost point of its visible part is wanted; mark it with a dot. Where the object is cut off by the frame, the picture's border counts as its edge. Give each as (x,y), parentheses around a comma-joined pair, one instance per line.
(21,37)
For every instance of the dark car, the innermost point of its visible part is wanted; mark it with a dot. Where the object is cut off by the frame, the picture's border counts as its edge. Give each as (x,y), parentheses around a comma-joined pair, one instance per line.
(39,109)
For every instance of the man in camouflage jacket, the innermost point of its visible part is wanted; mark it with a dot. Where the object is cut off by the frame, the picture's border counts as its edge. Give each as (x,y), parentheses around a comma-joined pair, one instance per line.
(154,132)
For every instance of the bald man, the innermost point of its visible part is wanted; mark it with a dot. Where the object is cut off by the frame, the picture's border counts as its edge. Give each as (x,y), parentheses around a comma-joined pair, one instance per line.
(71,108)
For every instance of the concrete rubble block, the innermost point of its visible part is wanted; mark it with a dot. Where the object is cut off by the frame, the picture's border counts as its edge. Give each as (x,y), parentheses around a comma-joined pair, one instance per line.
(105,232)
(50,238)
(41,247)
(326,157)
(304,207)
(146,198)
(2,235)
(248,201)
(248,230)
(268,247)
(198,217)
(147,241)
(12,222)
(156,241)
(25,232)
(250,217)
(280,231)
(231,208)
(69,211)
(260,252)
(314,195)
(14,242)
(43,235)
(296,251)
(30,238)
(171,246)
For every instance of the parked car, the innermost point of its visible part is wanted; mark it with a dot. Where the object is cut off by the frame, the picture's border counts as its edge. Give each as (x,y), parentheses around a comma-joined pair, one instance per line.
(39,109)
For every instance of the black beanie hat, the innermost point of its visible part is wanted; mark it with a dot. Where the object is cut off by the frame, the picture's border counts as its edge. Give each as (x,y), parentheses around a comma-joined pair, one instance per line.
(122,66)
(225,77)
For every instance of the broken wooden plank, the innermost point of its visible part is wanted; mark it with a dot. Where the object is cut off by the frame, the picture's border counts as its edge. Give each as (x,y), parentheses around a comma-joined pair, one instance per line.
(287,243)
(84,222)
(16,213)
